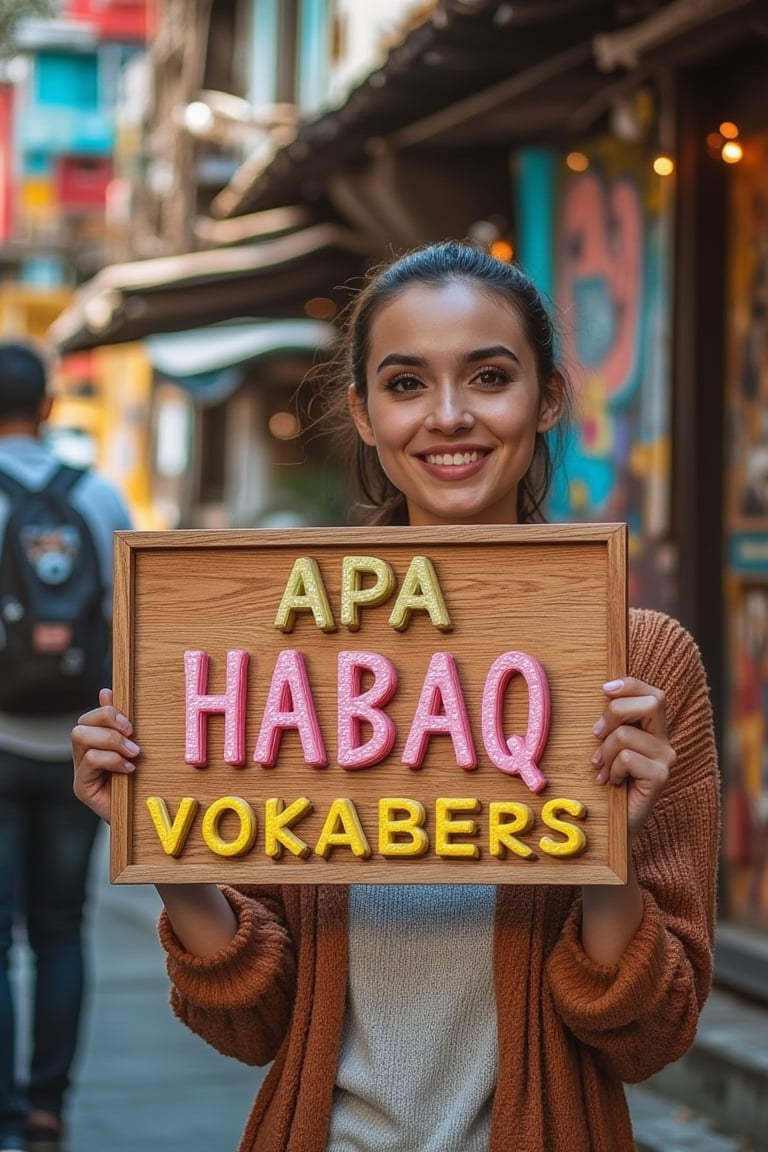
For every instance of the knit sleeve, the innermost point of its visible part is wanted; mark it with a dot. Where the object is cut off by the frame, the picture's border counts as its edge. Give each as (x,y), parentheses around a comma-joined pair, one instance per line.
(642,1013)
(240,999)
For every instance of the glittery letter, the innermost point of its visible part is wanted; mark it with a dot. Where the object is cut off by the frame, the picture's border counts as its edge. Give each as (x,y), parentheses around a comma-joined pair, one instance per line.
(243,842)
(401,827)
(517,756)
(290,705)
(305,592)
(502,831)
(173,836)
(420,592)
(355,707)
(277,831)
(441,688)
(342,829)
(354,593)
(575,840)
(199,705)
(446,827)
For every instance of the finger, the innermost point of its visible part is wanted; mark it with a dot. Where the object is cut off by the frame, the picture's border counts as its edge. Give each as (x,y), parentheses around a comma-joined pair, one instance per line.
(630,764)
(631,738)
(106,716)
(100,762)
(646,707)
(87,738)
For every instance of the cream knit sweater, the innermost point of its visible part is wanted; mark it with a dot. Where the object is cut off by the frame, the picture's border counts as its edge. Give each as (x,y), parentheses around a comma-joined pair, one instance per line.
(570,1031)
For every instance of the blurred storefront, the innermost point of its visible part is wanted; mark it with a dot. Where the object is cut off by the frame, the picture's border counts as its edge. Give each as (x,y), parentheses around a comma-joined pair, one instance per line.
(745,843)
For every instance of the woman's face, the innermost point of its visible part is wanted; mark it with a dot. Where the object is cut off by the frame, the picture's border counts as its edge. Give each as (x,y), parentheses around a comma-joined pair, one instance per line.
(454,403)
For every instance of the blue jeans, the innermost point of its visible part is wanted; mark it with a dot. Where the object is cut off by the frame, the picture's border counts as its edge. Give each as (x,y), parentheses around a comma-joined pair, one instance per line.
(46,839)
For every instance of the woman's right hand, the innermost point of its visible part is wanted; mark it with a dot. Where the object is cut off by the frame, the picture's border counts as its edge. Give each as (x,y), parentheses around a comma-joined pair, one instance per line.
(101,746)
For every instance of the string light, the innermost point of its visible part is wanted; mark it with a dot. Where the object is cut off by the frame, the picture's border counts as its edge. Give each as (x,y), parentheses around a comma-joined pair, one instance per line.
(502,250)
(577,162)
(732,152)
(729,130)
(663,165)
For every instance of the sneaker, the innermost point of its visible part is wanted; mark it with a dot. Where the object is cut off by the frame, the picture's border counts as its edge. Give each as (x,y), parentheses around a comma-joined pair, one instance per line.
(42,1138)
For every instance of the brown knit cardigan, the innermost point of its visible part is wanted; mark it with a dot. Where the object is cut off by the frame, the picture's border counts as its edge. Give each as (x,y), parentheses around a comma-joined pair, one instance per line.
(570,1031)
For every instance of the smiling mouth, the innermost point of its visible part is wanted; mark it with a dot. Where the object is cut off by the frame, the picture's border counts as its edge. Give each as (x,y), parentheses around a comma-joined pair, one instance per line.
(453,459)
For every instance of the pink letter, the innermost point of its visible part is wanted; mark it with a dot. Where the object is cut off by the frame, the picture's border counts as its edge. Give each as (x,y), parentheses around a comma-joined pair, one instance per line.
(198,705)
(356,706)
(441,687)
(516,756)
(290,705)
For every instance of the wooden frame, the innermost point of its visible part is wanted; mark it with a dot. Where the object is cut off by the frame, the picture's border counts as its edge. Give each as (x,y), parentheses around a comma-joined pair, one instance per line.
(459,623)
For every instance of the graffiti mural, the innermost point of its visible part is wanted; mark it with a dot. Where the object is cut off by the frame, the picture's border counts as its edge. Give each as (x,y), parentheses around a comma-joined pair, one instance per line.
(612,301)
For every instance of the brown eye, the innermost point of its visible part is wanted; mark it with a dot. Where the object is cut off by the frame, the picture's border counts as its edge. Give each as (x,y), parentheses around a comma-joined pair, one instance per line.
(492,376)
(403,383)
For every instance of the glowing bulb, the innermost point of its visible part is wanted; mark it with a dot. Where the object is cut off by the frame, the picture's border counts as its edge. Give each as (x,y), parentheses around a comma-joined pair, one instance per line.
(284,425)
(732,152)
(502,250)
(663,165)
(729,130)
(577,162)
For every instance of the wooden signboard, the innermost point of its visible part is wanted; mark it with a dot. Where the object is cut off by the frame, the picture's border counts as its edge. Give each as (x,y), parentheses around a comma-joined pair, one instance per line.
(409,705)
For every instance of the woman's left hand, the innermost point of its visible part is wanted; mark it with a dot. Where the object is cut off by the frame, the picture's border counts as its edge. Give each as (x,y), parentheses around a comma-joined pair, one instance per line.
(633,746)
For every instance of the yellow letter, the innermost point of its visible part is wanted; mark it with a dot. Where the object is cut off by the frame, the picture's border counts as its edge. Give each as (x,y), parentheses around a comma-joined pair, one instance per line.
(277,834)
(575,840)
(501,833)
(243,842)
(410,825)
(420,592)
(353,593)
(342,828)
(446,827)
(173,836)
(305,591)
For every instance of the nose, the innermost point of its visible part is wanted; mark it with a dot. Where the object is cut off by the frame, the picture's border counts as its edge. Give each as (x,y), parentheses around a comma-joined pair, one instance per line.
(449,411)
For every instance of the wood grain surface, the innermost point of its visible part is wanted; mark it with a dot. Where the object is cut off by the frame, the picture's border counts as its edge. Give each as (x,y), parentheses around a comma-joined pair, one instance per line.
(554,592)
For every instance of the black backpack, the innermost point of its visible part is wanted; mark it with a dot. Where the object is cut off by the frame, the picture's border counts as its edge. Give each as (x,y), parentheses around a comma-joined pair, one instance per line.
(54,639)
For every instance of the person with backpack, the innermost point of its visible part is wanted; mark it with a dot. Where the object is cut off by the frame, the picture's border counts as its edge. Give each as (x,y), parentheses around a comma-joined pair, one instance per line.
(56,530)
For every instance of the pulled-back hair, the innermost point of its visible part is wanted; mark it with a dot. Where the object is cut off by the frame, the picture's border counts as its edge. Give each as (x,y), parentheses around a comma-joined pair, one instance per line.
(23,380)
(377,500)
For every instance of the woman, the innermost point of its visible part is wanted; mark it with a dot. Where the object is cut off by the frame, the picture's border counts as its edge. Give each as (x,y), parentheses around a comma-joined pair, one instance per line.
(470,1018)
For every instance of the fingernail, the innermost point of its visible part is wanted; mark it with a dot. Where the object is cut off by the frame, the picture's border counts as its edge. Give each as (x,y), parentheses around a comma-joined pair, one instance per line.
(123,723)
(613,686)
(131,748)
(597,757)
(599,728)
(600,778)
(129,766)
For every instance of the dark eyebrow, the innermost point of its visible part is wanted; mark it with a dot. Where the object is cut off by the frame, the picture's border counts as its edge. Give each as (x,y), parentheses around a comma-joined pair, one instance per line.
(402,358)
(490,353)
(407,361)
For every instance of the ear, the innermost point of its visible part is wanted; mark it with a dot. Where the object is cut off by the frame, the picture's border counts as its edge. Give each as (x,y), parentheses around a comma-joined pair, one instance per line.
(360,416)
(551,404)
(44,410)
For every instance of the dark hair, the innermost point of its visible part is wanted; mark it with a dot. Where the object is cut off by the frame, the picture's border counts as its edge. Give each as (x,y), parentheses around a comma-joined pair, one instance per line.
(377,499)
(23,379)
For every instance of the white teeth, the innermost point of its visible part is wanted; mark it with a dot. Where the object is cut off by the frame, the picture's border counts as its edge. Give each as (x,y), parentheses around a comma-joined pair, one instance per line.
(454,458)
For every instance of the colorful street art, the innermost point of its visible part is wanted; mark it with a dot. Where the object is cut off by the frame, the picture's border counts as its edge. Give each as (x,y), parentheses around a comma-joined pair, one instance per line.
(745,833)
(612,301)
